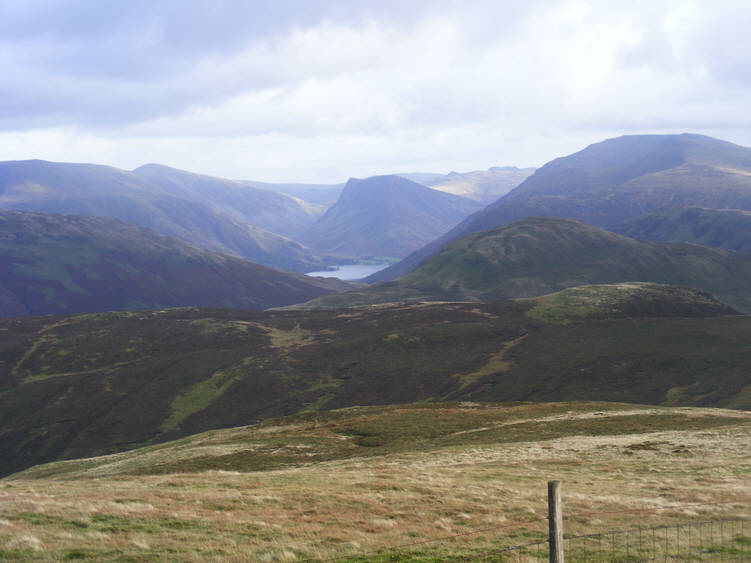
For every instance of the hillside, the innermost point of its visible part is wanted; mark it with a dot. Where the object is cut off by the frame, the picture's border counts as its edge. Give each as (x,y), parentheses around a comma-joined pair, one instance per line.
(541,255)
(409,482)
(62,264)
(269,210)
(386,216)
(614,181)
(88,189)
(85,385)
(483,186)
(719,228)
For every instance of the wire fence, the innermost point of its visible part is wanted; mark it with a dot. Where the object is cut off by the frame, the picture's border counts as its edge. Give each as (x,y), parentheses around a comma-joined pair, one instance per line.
(710,540)
(720,539)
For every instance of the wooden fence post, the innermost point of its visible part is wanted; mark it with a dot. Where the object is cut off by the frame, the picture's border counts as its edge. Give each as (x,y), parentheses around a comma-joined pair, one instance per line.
(555,522)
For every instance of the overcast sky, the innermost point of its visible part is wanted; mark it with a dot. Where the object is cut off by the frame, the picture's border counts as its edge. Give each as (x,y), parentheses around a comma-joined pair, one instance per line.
(319,91)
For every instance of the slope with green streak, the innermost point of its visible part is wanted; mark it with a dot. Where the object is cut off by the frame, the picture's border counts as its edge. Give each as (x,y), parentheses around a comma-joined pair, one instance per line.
(93,384)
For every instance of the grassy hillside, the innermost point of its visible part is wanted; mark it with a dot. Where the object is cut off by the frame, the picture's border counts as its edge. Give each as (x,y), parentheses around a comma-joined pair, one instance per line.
(62,264)
(386,216)
(614,181)
(541,255)
(84,385)
(451,481)
(270,210)
(719,228)
(88,189)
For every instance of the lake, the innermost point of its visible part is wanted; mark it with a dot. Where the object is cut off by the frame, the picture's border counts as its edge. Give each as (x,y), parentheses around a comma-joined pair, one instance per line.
(351,272)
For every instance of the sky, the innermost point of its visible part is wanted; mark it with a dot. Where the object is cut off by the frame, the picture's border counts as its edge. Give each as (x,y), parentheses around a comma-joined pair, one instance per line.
(323,90)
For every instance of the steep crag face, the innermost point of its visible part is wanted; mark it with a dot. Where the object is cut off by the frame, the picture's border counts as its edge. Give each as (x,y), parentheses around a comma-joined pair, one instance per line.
(386,216)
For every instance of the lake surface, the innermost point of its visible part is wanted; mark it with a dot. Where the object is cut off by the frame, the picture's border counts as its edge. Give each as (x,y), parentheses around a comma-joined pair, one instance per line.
(351,272)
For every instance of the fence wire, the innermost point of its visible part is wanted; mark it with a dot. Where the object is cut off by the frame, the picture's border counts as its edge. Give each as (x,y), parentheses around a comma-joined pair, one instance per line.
(726,539)
(708,540)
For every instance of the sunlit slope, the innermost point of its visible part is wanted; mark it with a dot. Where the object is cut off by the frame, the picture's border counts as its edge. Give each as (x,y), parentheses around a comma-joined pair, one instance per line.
(77,386)
(484,186)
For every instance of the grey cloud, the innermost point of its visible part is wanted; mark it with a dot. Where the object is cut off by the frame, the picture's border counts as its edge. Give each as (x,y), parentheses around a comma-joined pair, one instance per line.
(106,62)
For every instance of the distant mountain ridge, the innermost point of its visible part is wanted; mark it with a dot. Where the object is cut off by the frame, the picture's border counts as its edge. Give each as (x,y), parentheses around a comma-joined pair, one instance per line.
(89,189)
(614,181)
(539,255)
(483,186)
(269,210)
(63,264)
(386,216)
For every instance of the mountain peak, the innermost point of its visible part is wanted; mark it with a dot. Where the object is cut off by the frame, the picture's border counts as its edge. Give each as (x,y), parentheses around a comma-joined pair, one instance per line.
(387,216)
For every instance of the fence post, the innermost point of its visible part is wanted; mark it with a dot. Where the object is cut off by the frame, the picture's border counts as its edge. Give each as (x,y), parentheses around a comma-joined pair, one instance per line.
(555,522)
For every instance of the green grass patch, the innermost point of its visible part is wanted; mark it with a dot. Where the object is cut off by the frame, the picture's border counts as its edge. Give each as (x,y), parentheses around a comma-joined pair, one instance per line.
(198,397)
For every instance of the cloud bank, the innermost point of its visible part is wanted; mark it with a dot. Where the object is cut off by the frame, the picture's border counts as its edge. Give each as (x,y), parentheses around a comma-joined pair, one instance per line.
(320,91)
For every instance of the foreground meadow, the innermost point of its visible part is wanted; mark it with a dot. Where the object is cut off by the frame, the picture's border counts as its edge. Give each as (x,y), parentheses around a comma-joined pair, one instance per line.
(413,482)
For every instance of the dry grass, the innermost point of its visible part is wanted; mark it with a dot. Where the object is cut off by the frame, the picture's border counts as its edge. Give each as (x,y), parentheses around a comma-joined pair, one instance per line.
(358,506)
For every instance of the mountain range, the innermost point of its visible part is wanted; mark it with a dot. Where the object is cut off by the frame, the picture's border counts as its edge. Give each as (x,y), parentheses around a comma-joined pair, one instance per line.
(88,189)
(264,208)
(530,298)
(611,182)
(483,186)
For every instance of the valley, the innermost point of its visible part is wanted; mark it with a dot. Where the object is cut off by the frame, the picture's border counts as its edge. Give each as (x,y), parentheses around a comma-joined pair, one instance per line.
(173,387)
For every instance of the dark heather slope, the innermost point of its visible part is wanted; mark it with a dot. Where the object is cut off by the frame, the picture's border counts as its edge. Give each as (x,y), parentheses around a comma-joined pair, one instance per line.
(386,216)
(90,384)
(61,264)
(614,181)
(539,255)
(88,189)
(719,228)
(269,210)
